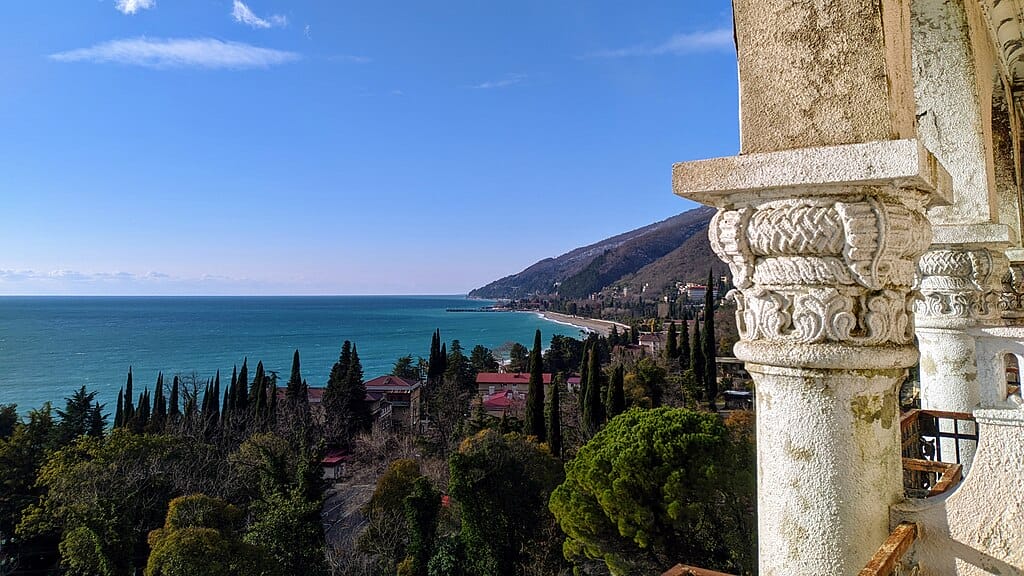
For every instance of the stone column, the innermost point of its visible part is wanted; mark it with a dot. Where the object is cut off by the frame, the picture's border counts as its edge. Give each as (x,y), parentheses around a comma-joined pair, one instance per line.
(955,99)
(822,243)
(821,220)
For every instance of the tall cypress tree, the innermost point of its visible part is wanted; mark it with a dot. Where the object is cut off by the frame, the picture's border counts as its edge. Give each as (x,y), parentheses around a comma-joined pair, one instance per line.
(293,390)
(215,403)
(555,416)
(697,362)
(119,414)
(710,348)
(242,393)
(684,345)
(129,408)
(616,392)
(671,343)
(143,413)
(535,394)
(593,405)
(258,392)
(356,390)
(174,411)
(231,394)
(159,414)
(584,374)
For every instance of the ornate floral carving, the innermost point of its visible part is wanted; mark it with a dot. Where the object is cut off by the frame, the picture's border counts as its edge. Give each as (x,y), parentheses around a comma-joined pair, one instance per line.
(823,269)
(1011,298)
(957,285)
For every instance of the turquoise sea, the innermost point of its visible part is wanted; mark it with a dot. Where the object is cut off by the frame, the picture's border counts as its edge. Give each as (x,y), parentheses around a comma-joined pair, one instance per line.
(50,346)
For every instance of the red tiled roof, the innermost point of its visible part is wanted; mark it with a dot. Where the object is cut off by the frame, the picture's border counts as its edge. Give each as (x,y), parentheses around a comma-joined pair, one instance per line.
(334,458)
(392,383)
(507,378)
(315,395)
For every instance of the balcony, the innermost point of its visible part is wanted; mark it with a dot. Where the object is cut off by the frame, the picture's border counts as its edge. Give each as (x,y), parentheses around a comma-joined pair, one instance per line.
(934,444)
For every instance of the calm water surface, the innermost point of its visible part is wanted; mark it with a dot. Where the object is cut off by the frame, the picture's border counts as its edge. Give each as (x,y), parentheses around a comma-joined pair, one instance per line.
(49,346)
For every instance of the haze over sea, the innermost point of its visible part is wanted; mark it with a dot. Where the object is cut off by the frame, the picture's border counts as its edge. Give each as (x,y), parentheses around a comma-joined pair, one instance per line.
(50,346)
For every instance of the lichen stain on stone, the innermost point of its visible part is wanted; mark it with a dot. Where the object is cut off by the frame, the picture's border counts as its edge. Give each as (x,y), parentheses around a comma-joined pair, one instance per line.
(928,365)
(794,534)
(874,408)
(797,452)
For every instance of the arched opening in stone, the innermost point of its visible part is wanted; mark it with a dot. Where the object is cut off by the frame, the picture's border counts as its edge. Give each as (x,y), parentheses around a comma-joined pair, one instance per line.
(1012,370)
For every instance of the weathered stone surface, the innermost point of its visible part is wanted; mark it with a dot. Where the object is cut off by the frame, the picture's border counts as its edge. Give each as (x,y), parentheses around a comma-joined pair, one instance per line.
(976,530)
(823,73)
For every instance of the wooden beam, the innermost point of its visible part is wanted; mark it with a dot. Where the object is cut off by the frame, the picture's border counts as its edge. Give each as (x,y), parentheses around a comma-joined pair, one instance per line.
(884,562)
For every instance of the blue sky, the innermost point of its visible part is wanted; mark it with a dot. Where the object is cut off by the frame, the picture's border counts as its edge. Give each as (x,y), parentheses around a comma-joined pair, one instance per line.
(334,147)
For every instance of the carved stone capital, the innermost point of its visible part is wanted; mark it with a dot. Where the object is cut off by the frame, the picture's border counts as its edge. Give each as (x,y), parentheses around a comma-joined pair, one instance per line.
(959,286)
(1011,296)
(823,269)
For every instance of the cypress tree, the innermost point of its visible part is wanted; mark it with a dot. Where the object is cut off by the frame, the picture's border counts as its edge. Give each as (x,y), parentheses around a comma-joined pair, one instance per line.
(208,401)
(226,408)
(535,394)
(356,390)
(584,374)
(272,394)
(671,344)
(443,357)
(613,338)
(684,345)
(294,387)
(258,392)
(119,414)
(174,411)
(593,406)
(129,409)
(555,417)
(232,393)
(634,335)
(710,349)
(215,401)
(435,365)
(242,398)
(143,413)
(697,362)
(159,411)
(616,392)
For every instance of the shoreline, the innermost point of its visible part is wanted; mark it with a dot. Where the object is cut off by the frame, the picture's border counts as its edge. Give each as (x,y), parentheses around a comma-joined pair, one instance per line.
(603,327)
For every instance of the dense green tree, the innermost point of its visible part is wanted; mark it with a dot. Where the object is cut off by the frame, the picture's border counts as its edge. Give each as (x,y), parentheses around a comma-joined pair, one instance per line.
(387,531)
(422,507)
(648,491)
(159,414)
(519,358)
(436,362)
(258,392)
(242,390)
(593,402)
(200,538)
(648,382)
(76,419)
(671,343)
(710,348)
(404,367)
(554,416)
(21,455)
(684,346)
(482,359)
(534,422)
(502,483)
(345,409)
(616,402)
(293,390)
(129,397)
(459,367)
(697,362)
(115,487)
(119,412)
(289,528)
(564,354)
(8,420)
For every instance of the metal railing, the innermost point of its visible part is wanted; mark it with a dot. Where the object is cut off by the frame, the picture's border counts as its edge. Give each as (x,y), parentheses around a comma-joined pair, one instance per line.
(923,434)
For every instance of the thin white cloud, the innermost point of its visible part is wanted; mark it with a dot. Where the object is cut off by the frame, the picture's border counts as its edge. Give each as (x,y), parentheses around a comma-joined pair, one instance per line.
(133,6)
(178,53)
(685,43)
(508,80)
(242,14)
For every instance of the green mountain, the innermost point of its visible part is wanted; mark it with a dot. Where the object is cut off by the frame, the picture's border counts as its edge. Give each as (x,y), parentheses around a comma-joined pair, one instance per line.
(656,256)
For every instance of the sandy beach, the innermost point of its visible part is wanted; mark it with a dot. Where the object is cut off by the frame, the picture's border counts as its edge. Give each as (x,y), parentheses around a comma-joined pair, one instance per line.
(603,327)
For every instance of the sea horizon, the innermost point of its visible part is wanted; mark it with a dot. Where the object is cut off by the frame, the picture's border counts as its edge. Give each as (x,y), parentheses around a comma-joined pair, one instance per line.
(50,345)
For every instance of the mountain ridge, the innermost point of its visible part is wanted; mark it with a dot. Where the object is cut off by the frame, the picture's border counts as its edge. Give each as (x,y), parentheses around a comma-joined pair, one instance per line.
(655,256)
